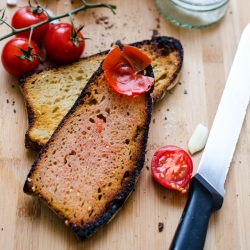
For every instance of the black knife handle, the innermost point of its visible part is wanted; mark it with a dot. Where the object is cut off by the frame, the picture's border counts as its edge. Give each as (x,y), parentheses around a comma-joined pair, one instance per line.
(203,200)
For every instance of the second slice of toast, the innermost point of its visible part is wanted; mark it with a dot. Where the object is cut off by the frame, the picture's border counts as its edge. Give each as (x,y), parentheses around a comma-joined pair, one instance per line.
(91,163)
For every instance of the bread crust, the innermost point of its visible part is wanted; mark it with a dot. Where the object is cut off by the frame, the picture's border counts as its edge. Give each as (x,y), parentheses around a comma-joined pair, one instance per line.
(84,225)
(166,54)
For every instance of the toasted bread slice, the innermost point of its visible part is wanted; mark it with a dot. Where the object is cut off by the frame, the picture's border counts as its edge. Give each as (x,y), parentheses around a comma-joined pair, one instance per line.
(91,163)
(51,92)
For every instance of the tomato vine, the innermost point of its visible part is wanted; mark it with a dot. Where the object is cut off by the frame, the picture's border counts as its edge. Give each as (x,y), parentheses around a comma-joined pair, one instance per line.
(26,55)
(50,17)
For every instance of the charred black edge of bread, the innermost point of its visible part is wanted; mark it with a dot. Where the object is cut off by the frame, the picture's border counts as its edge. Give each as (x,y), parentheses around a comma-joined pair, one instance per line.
(168,43)
(116,203)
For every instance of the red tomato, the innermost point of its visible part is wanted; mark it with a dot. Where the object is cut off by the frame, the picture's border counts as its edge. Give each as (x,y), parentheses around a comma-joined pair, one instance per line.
(11,60)
(59,45)
(172,167)
(25,17)
(121,70)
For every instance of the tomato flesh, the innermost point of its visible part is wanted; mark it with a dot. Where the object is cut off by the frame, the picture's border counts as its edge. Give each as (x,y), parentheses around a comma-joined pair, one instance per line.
(112,59)
(10,57)
(136,57)
(172,167)
(99,125)
(24,17)
(121,70)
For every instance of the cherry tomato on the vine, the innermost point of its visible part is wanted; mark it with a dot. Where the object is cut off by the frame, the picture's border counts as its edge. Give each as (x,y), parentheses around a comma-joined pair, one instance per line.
(63,44)
(27,16)
(121,70)
(11,53)
(172,167)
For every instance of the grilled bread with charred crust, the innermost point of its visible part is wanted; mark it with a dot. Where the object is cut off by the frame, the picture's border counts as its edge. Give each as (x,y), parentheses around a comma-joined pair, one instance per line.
(51,92)
(91,163)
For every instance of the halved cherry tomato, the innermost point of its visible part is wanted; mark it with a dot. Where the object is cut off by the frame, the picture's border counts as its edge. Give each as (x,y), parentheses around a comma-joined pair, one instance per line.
(121,70)
(27,16)
(172,167)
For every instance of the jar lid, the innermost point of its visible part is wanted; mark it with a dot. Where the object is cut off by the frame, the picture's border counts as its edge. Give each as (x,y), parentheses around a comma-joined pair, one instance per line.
(200,5)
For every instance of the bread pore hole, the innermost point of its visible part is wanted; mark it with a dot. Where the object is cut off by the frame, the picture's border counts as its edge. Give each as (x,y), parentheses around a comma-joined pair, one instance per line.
(100,116)
(125,176)
(103,98)
(139,131)
(107,110)
(163,77)
(127,141)
(92,102)
(55,109)
(72,152)
(58,99)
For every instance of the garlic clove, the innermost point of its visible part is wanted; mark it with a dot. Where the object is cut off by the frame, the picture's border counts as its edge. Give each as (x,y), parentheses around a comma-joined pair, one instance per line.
(198,139)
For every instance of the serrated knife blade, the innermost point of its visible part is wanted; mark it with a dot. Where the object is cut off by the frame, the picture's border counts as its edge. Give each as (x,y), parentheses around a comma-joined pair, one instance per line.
(207,186)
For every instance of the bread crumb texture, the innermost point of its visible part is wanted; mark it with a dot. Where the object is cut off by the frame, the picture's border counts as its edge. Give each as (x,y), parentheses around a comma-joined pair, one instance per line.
(94,156)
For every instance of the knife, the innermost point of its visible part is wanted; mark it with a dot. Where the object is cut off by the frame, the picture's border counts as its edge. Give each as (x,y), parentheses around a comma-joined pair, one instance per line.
(207,185)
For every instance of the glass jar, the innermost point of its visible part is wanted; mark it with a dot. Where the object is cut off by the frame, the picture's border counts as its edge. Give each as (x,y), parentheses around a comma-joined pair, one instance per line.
(193,13)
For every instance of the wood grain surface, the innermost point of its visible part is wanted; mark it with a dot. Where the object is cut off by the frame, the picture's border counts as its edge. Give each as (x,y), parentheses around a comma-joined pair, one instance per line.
(26,223)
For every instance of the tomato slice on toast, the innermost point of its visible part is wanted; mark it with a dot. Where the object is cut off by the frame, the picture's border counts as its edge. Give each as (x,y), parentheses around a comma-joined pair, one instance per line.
(121,69)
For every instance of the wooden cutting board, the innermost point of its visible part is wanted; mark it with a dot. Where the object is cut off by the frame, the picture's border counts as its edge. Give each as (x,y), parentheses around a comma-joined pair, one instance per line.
(25,223)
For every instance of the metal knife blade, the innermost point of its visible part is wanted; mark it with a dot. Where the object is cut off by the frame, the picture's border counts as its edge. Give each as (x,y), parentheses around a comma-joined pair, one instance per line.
(229,118)
(207,186)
